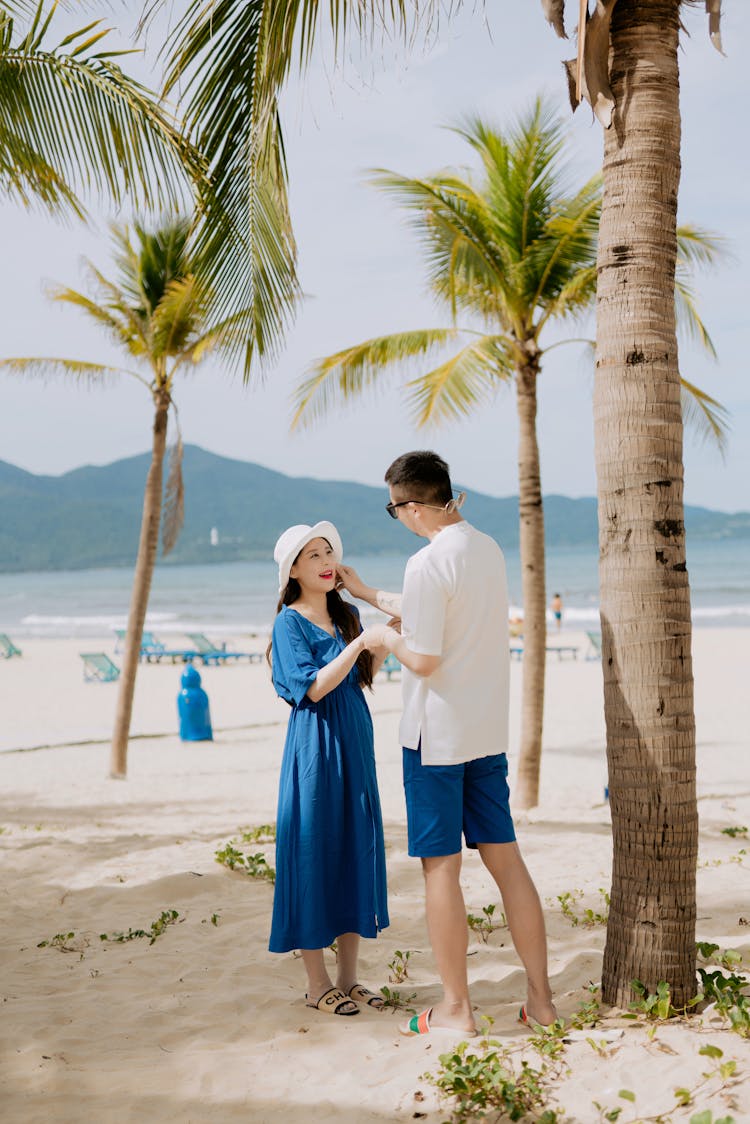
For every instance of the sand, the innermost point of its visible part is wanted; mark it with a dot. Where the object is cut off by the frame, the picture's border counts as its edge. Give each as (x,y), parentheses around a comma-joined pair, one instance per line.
(204,1025)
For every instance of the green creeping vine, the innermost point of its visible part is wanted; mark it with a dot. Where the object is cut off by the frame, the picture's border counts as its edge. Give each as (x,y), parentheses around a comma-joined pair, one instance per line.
(168,917)
(487,1080)
(393,1000)
(256,866)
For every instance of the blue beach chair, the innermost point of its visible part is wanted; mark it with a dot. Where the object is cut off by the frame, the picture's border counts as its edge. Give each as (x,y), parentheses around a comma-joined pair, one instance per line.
(217,653)
(8,648)
(153,650)
(99,668)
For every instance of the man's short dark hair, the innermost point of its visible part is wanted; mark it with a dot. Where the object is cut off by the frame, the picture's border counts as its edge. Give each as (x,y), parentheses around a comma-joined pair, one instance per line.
(424,474)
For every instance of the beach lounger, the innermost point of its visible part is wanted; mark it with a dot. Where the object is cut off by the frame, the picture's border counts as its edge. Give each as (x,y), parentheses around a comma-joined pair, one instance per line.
(595,651)
(217,653)
(7,647)
(154,650)
(390,665)
(157,653)
(99,668)
(151,649)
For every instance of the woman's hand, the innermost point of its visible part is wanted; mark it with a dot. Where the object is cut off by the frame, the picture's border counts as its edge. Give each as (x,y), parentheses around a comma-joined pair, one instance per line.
(377,636)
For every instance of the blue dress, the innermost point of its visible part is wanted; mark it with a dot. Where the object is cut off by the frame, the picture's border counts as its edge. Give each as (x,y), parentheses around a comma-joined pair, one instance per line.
(330,854)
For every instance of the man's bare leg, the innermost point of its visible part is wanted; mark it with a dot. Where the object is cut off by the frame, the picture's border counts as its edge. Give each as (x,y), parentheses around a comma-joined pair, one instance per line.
(449,937)
(526,923)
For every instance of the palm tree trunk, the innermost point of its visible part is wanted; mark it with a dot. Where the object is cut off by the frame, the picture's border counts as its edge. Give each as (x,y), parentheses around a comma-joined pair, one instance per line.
(144,569)
(531,513)
(645,597)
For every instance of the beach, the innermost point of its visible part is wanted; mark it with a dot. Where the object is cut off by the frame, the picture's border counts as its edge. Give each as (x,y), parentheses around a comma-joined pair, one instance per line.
(204,1024)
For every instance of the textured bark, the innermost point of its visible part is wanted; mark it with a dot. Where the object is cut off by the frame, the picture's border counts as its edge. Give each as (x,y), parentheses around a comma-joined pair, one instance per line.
(148,546)
(645,597)
(531,514)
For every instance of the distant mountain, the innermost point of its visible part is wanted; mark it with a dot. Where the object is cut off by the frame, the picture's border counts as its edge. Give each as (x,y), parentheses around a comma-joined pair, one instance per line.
(91,516)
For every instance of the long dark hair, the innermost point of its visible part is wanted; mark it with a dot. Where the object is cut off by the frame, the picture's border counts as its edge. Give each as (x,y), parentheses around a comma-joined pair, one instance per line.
(344,618)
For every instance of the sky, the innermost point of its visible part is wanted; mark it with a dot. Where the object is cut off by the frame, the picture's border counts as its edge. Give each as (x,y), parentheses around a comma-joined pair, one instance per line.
(361,270)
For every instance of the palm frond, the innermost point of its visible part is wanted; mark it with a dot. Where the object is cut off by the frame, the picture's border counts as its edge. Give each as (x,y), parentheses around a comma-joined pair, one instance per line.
(703,414)
(698,247)
(10,9)
(173,510)
(689,321)
(178,317)
(575,297)
(350,372)
(230,59)
(563,258)
(76,113)
(523,172)
(452,222)
(26,178)
(47,368)
(120,324)
(219,56)
(469,378)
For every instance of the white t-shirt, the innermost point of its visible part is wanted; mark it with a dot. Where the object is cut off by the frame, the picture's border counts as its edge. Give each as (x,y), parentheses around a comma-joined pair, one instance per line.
(455,605)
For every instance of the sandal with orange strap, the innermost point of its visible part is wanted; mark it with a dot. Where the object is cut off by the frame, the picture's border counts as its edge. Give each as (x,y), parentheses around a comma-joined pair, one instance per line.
(532,1024)
(420,1024)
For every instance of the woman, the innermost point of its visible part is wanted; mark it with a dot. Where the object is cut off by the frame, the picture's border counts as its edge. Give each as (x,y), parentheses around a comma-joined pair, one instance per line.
(330,855)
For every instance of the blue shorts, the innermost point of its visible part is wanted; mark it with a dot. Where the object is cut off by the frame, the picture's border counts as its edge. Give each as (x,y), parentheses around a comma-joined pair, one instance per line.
(444,801)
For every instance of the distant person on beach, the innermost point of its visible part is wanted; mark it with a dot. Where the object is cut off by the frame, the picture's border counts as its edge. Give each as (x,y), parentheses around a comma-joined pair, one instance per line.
(556,606)
(330,856)
(454,650)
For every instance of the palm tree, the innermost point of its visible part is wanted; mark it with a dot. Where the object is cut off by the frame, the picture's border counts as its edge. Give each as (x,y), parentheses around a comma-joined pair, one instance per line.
(162,316)
(630,73)
(514,253)
(71,122)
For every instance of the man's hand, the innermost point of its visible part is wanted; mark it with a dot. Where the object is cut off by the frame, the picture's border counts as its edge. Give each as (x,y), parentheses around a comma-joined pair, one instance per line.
(349,579)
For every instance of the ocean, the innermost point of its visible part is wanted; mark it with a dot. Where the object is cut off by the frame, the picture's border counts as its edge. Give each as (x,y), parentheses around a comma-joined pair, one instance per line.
(240,597)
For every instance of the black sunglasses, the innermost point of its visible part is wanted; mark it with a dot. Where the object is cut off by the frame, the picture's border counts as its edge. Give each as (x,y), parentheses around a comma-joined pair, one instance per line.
(391,507)
(449,507)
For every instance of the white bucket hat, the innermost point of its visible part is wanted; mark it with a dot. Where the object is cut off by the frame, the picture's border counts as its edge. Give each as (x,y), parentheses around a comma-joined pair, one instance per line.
(292,541)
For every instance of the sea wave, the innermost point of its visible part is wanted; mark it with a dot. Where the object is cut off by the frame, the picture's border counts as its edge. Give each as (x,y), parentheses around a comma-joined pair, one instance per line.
(108,621)
(44,626)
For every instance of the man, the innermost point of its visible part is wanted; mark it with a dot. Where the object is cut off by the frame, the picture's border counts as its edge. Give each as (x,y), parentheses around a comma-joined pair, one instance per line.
(454,651)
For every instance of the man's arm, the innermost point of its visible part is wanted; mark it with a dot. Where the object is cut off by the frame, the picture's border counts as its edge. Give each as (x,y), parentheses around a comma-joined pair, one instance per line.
(389,603)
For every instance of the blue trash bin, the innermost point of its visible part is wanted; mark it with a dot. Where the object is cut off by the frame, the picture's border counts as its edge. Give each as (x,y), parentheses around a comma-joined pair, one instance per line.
(192,707)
